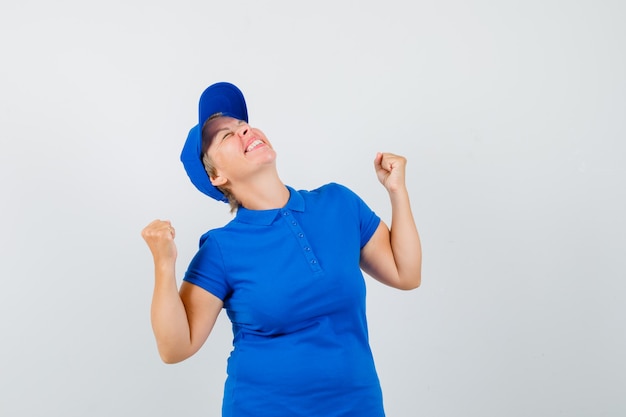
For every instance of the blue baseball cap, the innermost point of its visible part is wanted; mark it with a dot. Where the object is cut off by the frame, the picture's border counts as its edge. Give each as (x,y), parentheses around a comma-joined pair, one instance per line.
(222,98)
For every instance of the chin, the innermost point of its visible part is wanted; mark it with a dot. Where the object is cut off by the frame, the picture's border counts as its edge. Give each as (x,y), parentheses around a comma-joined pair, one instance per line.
(268,155)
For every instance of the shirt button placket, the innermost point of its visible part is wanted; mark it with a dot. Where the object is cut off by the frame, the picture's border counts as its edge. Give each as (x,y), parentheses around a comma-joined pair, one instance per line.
(302,241)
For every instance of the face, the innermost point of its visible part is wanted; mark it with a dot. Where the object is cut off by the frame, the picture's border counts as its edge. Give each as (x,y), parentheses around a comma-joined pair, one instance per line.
(237,150)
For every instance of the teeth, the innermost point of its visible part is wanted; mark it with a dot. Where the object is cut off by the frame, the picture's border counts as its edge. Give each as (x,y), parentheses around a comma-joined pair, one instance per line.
(254,145)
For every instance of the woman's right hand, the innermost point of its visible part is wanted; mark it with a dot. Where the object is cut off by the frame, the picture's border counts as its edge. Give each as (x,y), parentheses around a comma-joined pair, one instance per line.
(159,235)
(181,320)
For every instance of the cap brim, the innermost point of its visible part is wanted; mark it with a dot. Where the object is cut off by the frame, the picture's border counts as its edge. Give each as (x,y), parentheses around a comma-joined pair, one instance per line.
(222,98)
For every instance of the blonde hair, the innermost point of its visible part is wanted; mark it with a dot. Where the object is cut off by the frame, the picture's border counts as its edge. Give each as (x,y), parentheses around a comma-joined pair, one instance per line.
(210,168)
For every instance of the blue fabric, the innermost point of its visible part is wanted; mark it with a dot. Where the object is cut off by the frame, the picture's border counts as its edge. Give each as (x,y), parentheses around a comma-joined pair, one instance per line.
(294,292)
(222,98)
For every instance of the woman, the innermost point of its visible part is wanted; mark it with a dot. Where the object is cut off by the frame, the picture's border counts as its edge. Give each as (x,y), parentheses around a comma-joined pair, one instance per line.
(287,269)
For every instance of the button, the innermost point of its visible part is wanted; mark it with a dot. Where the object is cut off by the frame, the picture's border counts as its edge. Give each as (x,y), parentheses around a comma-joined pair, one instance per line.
(294,223)
(306,248)
(300,234)
(285,213)
(313,261)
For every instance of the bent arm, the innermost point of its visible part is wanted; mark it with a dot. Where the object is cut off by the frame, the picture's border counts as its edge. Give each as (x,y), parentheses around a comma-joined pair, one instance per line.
(394,256)
(181,320)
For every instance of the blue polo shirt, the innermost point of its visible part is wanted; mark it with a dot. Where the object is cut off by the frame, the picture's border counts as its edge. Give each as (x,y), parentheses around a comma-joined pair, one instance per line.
(294,292)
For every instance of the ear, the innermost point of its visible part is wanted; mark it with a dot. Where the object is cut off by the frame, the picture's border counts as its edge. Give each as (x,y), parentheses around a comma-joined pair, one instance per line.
(218,180)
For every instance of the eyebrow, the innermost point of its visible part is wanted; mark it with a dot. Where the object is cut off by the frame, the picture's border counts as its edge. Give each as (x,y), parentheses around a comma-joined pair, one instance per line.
(239,123)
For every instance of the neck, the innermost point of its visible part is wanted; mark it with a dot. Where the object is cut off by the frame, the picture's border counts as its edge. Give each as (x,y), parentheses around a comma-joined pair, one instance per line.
(263,194)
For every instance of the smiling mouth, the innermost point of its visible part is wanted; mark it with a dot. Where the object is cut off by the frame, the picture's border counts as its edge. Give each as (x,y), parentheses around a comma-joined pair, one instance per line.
(254,144)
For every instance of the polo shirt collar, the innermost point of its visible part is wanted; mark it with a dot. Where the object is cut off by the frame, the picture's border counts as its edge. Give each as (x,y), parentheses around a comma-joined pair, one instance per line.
(266,217)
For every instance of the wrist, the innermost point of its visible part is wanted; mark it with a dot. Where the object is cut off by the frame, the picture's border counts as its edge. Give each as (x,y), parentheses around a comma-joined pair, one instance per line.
(164,265)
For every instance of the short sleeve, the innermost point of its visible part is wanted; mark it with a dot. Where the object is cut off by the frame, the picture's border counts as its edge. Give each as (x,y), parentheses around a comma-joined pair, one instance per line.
(206,269)
(367,218)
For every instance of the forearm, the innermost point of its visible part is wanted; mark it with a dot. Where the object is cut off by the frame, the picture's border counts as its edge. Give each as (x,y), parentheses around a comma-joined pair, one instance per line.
(405,240)
(169,318)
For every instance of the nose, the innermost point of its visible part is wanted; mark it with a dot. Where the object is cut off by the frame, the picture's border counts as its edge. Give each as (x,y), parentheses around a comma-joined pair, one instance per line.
(243,130)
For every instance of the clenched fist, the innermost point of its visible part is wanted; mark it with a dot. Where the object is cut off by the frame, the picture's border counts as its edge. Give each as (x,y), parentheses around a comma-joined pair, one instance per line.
(390,170)
(159,235)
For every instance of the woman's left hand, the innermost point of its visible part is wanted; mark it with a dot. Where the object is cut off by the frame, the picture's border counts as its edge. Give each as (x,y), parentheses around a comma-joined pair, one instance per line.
(390,170)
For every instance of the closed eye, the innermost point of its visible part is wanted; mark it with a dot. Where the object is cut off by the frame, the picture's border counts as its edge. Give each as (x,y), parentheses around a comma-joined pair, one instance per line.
(228,130)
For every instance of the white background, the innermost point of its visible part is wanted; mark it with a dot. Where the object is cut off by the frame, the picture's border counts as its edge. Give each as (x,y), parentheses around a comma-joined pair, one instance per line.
(512,117)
